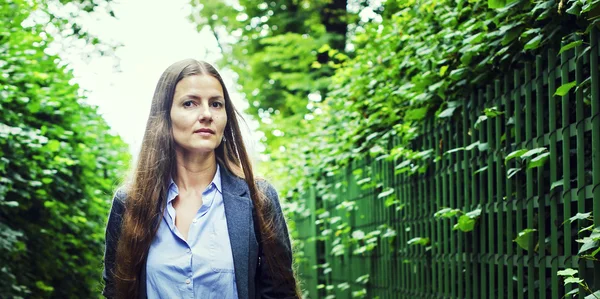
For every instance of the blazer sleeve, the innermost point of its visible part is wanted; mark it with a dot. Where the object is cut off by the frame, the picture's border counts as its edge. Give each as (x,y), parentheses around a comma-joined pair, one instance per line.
(113,231)
(268,286)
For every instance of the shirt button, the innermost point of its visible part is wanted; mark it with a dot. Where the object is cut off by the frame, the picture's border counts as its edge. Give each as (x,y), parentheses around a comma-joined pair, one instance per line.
(188,281)
(188,250)
(195,220)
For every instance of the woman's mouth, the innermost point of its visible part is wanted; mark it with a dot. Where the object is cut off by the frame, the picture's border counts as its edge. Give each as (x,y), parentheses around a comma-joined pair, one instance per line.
(204,132)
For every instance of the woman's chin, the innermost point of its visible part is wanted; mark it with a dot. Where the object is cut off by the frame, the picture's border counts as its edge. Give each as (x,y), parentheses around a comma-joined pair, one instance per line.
(199,149)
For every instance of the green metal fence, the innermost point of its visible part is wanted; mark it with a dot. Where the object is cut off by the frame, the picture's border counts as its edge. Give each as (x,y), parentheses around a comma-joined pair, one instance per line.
(485,262)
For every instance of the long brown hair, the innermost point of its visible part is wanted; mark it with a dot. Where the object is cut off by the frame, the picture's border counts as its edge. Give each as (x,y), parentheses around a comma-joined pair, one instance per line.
(150,180)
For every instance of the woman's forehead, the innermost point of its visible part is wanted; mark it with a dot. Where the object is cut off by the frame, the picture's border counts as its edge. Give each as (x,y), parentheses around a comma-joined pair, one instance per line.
(199,86)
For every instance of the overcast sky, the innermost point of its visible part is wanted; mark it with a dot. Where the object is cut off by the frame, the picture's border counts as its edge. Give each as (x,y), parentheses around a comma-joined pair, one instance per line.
(154,34)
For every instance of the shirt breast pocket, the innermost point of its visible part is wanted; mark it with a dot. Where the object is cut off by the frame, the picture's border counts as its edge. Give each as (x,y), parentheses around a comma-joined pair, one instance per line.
(221,257)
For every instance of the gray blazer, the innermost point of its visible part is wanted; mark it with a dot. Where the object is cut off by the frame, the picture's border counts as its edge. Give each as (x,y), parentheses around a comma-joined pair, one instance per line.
(251,275)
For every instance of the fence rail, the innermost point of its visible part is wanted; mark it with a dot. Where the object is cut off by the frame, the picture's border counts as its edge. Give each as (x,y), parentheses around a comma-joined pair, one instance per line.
(485,262)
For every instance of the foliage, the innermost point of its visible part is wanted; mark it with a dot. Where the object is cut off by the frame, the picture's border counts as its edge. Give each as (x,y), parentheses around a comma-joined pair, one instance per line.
(528,159)
(59,164)
(569,276)
(524,237)
(418,241)
(466,220)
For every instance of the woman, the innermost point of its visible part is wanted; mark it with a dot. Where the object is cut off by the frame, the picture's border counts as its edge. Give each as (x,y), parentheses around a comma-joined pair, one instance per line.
(194,223)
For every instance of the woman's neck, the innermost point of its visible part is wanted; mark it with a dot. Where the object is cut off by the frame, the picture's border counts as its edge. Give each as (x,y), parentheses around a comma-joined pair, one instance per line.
(194,171)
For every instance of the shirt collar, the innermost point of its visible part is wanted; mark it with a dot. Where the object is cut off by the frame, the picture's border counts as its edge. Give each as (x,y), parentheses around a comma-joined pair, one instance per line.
(217,179)
(216,183)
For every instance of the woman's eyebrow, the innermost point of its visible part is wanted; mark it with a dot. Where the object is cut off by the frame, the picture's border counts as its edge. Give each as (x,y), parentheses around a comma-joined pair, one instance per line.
(195,97)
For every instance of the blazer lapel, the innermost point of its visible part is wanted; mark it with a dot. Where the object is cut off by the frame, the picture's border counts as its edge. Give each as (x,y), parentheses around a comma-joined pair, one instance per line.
(237,213)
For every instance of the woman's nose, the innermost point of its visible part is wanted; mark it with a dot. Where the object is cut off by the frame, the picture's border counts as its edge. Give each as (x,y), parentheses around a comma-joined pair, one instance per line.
(205,114)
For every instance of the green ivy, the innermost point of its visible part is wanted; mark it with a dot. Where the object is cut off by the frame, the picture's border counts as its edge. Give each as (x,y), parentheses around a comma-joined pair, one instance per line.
(59,165)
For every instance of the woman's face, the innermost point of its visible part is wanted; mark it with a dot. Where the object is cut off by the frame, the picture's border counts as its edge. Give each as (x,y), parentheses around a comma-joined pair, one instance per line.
(198,114)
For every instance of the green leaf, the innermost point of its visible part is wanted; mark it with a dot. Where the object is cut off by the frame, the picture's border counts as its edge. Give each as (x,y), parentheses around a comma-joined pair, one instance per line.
(587,245)
(44,287)
(575,9)
(543,6)
(10,204)
(457,73)
(534,43)
(523,237)
(390,201)
(363,181)
(335,219)
(538,161)
(570,46)
(446,213)
(416,114)
(480,119)
(443,70)
(483,147)
(386,193)
(474,214)
(418,241)
(583,84)
(482,169)
(511,172)
(447,112)
(594,295)
(492,112)
(556,184)
(372,136)
(510,121)
(587,228)
(567,272)
(424,154)
(403,167)
(576,280)
(532,152)
(465,224)
(572,292)
(53,145)
(454,150)
(530,32)
(564,89)
(389,233)
(496,3)
(363,279)
(589,6)
(360,293)
(511,34)
(515,154)
(580,216)
(472,145)
(338,250)
(358,235)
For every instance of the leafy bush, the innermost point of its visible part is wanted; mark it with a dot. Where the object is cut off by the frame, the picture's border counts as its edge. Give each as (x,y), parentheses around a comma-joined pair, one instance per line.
(58,166)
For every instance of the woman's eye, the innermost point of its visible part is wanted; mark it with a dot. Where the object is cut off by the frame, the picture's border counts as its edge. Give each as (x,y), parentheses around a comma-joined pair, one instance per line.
(217,104)
(188,104)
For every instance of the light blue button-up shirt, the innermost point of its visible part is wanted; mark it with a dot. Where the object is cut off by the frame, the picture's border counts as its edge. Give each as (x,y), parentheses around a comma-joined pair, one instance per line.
(202,265)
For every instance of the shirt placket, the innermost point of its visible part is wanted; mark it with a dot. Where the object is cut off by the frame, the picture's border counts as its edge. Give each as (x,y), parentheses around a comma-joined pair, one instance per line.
(189,281)
(192,237)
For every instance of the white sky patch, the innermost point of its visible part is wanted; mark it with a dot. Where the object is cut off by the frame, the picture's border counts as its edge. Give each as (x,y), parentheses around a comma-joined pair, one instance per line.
(154,34)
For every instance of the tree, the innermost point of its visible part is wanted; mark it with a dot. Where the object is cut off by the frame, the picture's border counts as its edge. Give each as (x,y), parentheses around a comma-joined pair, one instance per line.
(273,47)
